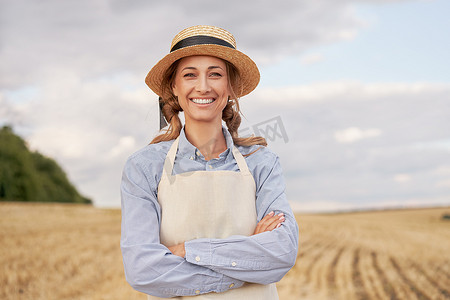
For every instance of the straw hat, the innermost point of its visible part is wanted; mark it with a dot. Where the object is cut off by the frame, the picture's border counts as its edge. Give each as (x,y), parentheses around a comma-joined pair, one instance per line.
(206,40)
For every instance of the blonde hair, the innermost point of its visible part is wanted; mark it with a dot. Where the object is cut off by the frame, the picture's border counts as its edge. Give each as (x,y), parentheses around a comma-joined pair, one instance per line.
(230,114)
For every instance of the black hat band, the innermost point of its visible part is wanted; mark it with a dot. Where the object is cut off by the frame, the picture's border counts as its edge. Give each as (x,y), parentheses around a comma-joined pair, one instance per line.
(200,40)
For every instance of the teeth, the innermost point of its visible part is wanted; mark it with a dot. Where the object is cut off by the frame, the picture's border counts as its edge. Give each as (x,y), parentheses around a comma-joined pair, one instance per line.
(202,101)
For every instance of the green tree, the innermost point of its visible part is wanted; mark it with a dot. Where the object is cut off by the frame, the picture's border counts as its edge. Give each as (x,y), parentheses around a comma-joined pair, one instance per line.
(31,176)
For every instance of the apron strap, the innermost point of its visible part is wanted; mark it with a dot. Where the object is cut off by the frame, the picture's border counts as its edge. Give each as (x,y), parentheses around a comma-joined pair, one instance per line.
(170,159)
(240,160)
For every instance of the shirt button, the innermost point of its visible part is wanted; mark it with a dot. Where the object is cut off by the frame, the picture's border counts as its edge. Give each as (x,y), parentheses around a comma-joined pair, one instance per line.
(233,264)
(210,166)
(197,258)
(231,285)
(197,292)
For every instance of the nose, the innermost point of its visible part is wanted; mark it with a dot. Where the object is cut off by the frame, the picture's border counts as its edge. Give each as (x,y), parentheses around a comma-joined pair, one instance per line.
(203,86)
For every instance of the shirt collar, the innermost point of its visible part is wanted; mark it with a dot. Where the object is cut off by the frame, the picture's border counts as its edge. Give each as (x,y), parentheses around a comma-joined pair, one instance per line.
(186,149)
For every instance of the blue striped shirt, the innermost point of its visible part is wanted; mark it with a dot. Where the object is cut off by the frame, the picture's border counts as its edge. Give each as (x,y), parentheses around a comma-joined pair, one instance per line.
(226,263)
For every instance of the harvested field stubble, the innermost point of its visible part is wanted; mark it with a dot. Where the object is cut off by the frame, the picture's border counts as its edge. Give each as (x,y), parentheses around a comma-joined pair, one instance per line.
(57,251)
(397,254)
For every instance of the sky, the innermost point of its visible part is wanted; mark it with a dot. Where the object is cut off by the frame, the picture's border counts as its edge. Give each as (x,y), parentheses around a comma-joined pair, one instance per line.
(358,91)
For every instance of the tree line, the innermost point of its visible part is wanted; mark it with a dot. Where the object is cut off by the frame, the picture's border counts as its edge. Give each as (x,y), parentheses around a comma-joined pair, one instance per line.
(30,176)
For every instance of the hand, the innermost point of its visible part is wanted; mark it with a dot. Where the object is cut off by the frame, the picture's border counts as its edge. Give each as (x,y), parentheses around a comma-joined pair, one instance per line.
(178,250)
(269,222)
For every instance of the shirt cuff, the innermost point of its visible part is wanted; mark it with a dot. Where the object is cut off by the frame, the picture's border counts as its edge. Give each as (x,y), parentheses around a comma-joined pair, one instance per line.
(219,255)
(198,252)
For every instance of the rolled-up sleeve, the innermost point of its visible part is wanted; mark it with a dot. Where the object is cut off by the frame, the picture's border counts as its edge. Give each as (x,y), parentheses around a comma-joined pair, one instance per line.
(149,266)
(262,258)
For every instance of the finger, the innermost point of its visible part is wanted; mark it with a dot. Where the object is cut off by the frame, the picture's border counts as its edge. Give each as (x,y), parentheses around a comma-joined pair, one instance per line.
(261,224)
(266,220)
(270,223)
(275,221)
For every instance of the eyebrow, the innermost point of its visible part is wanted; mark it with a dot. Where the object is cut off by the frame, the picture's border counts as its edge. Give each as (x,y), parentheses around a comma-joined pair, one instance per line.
(209,68)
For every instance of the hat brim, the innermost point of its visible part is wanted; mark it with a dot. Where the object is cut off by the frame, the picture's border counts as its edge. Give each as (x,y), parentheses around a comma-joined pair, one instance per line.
(248,71)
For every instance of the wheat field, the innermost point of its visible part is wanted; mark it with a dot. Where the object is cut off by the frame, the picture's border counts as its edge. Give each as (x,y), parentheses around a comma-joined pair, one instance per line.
(65,251)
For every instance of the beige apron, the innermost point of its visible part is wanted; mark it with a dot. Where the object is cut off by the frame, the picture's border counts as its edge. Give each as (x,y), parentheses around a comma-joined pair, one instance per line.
(204,204)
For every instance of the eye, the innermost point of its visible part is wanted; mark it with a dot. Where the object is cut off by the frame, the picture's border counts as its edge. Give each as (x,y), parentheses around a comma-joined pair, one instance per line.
(215,74)
(189,75)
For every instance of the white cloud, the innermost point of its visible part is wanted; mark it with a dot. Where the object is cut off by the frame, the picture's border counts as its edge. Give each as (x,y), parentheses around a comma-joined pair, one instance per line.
(125,145)
(348,34)
(353,134)
(79,68)
(92,127)
(61,141)
(323,206)
(401,178)
(319,206)
(443,183)
(317,168)
(443,144)
(348,90)
(442,170)
(96,37)
(311,59)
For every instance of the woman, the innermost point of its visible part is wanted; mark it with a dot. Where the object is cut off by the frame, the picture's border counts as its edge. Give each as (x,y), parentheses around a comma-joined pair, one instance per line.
(204,212)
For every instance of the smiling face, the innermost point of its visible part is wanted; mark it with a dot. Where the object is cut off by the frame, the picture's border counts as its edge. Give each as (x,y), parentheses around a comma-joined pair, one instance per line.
(201,85)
